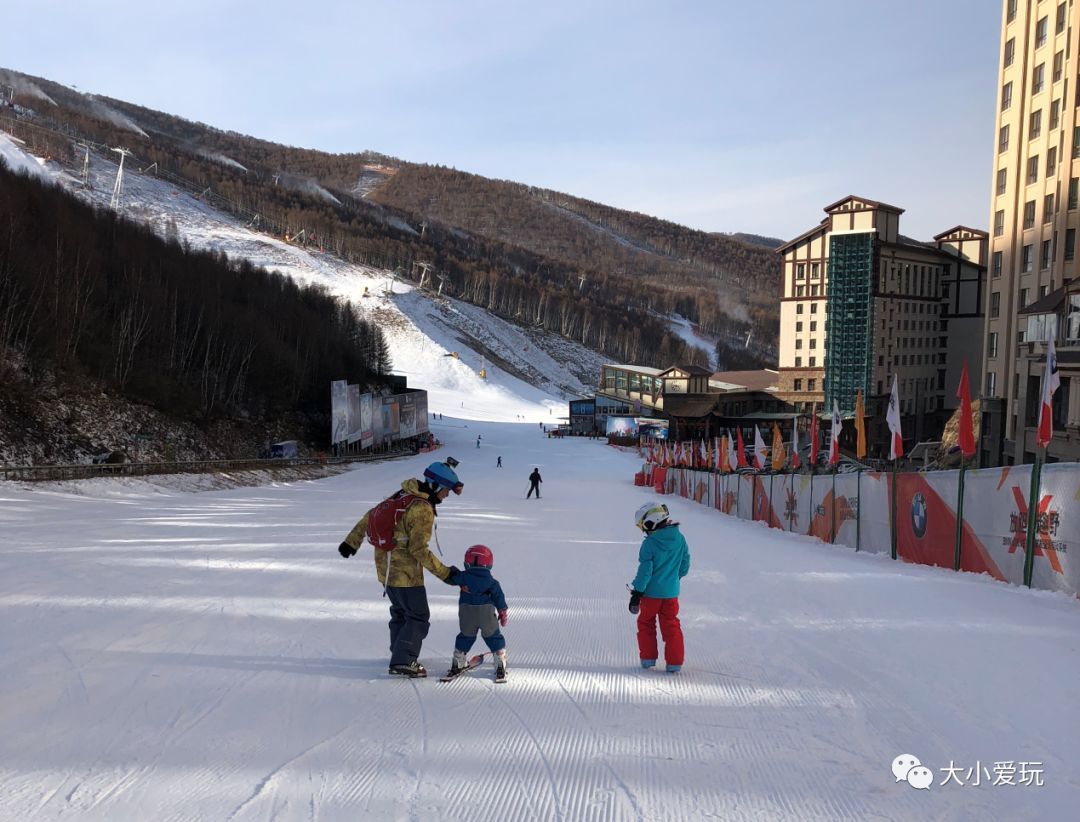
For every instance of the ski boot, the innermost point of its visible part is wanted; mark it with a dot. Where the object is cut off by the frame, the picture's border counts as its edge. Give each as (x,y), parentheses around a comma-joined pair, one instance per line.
(413,670)
(500,666)
(648,663)
(674,669)
(459,663)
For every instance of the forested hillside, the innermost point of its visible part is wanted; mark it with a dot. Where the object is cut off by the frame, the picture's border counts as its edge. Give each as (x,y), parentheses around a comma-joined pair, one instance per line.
(585,271)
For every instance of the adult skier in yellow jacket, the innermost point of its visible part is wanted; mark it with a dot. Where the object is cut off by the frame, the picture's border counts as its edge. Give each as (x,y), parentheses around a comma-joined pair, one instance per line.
(401,570)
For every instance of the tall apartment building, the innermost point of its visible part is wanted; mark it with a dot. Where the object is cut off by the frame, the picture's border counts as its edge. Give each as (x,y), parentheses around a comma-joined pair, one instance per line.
(1034,214)
(861,302)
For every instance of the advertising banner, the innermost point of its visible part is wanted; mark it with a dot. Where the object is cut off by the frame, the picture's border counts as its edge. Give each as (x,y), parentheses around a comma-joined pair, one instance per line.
(1057,532)
(406,415)
(421,412)
(875,526)
(995,511)
(367,431)
(845,506)
(339,411)
(621,427)
(354,413)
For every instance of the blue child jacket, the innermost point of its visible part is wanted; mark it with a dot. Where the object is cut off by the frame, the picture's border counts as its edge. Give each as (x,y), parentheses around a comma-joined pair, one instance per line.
(663,560)
(479,587)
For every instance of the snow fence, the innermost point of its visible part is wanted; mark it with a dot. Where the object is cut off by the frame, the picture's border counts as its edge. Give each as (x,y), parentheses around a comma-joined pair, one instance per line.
(971,520)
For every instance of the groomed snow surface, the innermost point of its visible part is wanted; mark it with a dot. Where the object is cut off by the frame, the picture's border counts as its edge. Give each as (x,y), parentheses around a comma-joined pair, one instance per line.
(208,656)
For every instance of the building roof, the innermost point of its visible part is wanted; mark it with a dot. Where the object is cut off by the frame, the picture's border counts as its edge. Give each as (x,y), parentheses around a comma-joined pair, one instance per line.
(978,232)
(867,200)
(640,369)
(822,226)
(762,380)
(692,370)
(1046,305)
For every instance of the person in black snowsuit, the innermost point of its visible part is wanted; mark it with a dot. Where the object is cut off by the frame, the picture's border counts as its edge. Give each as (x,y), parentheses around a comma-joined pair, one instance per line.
(499,463)
(534,483)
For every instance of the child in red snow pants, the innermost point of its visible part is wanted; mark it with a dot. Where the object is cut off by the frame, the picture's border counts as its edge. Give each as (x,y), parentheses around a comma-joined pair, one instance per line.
(667,610)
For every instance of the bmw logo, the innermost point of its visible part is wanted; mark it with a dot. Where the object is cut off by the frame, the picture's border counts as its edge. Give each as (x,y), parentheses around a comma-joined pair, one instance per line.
(918,515)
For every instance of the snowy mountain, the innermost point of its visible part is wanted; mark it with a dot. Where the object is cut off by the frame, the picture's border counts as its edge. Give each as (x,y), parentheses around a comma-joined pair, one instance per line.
(532,370)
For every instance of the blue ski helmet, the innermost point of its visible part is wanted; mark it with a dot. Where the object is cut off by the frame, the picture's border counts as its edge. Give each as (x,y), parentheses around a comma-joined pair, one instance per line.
(441,475)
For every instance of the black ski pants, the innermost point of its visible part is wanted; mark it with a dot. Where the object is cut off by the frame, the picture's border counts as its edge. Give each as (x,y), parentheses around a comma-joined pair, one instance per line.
(410,619)
(533,487)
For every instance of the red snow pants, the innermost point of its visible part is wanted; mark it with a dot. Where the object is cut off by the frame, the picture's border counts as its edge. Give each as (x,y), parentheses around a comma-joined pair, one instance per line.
(667,610)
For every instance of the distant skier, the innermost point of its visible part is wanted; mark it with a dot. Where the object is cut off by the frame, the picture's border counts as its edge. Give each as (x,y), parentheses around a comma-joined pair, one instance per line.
(664,559)
(477,440)
(481,607)
(534,483)
(498,462)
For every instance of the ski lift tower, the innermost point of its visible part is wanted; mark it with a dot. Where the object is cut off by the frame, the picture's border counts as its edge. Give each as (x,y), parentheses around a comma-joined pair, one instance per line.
(86,165)
(424,269)
(118,186)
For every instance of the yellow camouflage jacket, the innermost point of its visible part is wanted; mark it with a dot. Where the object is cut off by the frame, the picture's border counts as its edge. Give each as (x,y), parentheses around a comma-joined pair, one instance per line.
(411,535)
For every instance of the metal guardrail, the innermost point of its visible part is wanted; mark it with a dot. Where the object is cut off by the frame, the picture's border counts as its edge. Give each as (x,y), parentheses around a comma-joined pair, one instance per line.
(52,473)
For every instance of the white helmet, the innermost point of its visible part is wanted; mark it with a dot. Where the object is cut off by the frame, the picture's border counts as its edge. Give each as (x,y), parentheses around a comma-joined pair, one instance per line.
(651,515)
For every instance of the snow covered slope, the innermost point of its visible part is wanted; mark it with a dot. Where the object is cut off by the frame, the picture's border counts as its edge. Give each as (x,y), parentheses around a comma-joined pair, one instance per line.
(174,656)
(529,372)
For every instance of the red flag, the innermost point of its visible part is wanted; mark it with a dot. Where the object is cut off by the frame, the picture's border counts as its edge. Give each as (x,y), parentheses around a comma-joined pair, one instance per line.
(740,449)
(967,432)
(1051,382)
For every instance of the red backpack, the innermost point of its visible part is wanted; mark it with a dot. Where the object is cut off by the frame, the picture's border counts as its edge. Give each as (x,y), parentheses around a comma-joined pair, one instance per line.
(384,517)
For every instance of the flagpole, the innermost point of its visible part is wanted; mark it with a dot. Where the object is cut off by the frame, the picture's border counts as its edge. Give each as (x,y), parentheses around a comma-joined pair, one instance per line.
(960,516)
(1032,516)
(893,529)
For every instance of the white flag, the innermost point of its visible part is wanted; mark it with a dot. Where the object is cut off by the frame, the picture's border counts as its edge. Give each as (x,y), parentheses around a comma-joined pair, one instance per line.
(892,417)
(834,435)
(732,453)
(759,450)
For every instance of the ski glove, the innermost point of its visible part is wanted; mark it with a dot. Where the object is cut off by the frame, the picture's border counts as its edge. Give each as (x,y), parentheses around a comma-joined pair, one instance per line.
(503,617)
(635,601)
(346,550)
(451,578)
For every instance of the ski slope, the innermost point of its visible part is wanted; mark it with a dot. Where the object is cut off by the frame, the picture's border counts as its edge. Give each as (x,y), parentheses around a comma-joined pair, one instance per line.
(422,330)
(182,656)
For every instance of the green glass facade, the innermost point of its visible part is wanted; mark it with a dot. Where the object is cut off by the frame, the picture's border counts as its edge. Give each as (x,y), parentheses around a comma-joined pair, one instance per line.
(849,326)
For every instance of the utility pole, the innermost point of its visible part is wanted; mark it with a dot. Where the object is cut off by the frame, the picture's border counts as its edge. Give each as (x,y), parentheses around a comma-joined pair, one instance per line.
(424,269)
(86,165)
(118,186)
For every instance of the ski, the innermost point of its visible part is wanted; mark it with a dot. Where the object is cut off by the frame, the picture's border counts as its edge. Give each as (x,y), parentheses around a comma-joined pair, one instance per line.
(474,663)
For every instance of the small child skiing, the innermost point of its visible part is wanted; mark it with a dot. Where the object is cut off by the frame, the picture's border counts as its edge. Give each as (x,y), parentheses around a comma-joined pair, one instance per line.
(663,560)
(481,607)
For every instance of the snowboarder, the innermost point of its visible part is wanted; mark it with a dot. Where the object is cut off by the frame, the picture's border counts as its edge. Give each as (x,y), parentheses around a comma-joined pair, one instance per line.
(663,560)
(401,567)
(481,607)
(498,463)
(534,483)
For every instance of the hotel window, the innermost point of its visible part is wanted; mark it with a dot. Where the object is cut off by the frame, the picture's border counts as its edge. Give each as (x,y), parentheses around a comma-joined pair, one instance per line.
(1002,178)
(1023,297)
(1044,257)
(995,266)
(800,291)
(999,223)
(813,325)
(814,290)
(813,343)
(1010,51)
(1011,11)
(813,361)
(1040,32)
(991,344)
(1048,209)
(1025,259)
(798,343)
(798,362)
(1070,243)
(815,271)
(798,385)
(1029,214)
(1055,114)
(813,308)
(798,327)
(1038,78)
(995,304)
(1003,139)
(1035,124)
(800,271)
(1073,182)
(1051,160)
(1033,169)
(798,308)
(991,384)
(811,384)
(1006,96)
(1059,64)
(1059,23)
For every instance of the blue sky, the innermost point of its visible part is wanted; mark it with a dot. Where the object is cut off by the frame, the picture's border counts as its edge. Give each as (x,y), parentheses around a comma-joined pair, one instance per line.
(723,116)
